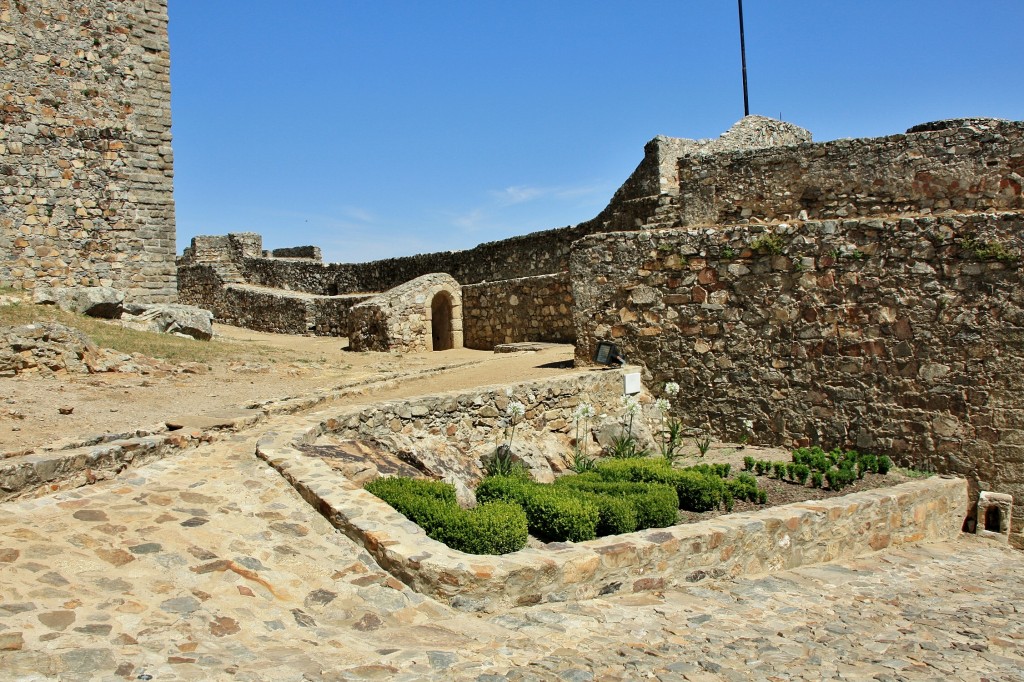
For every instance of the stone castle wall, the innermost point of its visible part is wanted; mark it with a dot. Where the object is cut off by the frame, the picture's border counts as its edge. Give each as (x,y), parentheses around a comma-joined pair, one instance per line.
(525,309)
(896,336)
(86,167)
(961,165)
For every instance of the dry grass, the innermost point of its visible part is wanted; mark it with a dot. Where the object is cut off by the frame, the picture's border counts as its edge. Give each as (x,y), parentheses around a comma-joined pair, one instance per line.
(162,346)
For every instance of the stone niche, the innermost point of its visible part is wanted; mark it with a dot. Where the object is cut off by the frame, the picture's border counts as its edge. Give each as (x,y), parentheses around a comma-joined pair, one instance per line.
(992,518)
(421,315)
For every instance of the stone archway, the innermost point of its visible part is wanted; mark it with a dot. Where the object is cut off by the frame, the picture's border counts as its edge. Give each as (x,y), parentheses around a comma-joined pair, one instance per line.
(441,321)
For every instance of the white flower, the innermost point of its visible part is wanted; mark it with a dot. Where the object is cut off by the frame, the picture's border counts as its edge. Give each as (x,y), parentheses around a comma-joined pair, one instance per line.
(515,409)
(584,411)
(630,404)
(671,388)
(663,405)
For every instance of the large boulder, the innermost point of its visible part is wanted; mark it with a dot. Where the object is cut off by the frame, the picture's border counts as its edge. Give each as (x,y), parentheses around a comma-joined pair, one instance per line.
(104,302)
(170,318)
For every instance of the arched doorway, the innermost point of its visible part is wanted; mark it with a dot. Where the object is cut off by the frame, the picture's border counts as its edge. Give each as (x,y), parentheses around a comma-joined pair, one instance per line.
(993,519)
(441,321)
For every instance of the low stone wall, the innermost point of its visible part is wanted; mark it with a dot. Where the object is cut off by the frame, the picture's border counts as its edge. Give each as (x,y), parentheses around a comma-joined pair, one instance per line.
(655,559)
(524,309)
(45,472)
(263,309)
(901,336)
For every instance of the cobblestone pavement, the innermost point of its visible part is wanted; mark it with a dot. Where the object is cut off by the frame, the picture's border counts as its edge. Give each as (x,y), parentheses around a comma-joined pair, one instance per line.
(207,565)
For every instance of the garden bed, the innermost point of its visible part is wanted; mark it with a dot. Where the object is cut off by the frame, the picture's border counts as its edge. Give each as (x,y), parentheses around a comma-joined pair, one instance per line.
(750,542)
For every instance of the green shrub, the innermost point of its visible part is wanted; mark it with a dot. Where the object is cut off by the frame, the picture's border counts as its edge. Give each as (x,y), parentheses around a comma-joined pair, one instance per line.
(635,470)
(762,466)
(884,464)
(816,479)
(743,487)
(553,513)
(655,504)
(779,470)
(762,497)
(494,528)
(791,471)
(697,491)
(840,478)
(397,486)
(721,470)
(748,463)
(802,471)
(615,515)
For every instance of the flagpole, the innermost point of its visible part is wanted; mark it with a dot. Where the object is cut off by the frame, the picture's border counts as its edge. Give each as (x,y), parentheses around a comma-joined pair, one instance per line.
(743,59)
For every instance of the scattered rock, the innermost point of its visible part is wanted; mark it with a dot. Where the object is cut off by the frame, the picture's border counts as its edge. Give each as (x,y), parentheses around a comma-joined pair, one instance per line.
(67,409)
(167,318)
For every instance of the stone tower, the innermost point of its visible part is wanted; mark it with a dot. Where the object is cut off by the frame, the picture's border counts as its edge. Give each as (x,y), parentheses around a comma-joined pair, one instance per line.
(86,168)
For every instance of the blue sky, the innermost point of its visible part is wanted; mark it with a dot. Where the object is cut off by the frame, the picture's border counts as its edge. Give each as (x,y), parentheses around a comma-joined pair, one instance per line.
(392,127)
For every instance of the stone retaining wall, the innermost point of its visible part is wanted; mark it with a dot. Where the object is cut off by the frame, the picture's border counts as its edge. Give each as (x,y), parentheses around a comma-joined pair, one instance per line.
(655,559)
(524,309)
(86,167)
(899,336)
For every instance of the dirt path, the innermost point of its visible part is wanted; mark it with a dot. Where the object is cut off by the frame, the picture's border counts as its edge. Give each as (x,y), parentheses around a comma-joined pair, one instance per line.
(31,403)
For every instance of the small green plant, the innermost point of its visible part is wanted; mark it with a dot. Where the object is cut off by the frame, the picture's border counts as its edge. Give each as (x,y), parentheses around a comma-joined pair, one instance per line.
(770,243)
(761,466)
(762,496)
(703,443)
(802,471)
(748,463)
(816,479)
(884,465)
(671,431)
(580,461)
(625,446)
(728,253)
(983,250)
(779,470)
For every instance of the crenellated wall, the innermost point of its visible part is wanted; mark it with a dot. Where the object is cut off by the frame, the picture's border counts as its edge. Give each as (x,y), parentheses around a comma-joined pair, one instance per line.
(897,336)
(960,165)
(86,167)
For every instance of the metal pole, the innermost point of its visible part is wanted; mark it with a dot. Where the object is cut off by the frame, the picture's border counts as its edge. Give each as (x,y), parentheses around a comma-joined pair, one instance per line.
(743,58)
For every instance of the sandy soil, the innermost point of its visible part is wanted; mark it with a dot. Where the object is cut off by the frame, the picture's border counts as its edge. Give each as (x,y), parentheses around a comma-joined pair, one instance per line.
(30,403)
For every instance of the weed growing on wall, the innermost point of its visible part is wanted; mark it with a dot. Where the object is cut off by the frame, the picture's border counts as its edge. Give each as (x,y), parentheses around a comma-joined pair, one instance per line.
(985,250)
(769,243)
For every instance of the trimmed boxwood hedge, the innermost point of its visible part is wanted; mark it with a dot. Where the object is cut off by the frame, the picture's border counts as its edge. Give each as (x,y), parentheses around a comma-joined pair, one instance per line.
(655,504)
(699,488)
(553,514)
(495,528)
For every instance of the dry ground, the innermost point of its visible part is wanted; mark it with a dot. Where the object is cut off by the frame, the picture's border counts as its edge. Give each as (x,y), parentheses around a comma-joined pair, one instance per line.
(237,368)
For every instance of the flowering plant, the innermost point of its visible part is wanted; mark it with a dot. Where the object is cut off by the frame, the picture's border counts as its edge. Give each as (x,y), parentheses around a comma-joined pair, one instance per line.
(581,462)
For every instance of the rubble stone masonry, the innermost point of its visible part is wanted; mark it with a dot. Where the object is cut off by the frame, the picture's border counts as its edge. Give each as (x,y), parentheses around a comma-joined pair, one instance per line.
(901,336)
(86,169)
